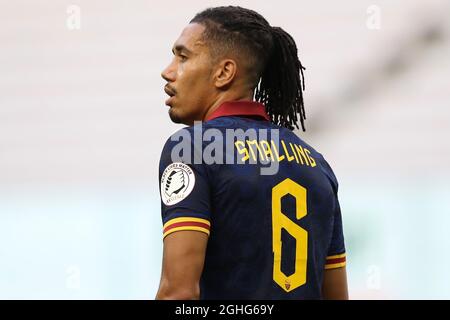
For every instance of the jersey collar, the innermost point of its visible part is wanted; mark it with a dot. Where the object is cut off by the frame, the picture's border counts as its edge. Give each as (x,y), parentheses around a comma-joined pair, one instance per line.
(239,108)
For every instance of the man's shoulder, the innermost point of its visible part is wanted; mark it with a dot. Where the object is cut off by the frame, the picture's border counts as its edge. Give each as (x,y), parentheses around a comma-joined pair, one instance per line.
(318,156)
(203,131)
(200,127)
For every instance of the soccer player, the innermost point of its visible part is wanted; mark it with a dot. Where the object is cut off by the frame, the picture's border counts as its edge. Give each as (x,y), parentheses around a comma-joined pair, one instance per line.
(231,231)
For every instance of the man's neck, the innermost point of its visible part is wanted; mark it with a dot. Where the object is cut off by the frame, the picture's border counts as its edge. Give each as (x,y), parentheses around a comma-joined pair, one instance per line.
(222,99)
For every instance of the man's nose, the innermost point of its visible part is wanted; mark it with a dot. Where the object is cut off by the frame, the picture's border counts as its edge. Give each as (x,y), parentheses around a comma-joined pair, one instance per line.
(168,73)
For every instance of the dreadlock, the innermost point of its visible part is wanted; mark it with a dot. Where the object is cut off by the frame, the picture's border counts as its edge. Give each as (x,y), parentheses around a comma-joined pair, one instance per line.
(277,73)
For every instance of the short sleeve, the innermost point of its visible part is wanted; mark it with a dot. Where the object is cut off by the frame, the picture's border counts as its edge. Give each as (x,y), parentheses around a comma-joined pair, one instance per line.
(184,187)
(336,255)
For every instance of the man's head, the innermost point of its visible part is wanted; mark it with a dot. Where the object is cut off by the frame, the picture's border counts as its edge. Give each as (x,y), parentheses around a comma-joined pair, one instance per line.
(224,54)
(189,76)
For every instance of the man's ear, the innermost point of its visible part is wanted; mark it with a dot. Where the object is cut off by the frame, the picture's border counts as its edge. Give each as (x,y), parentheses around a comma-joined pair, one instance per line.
(225,74)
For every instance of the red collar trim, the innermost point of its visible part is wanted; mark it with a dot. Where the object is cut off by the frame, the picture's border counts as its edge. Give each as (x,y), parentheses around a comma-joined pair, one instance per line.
(239,108)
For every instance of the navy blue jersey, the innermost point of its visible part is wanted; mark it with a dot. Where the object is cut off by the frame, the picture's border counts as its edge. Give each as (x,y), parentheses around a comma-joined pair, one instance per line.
(272,233)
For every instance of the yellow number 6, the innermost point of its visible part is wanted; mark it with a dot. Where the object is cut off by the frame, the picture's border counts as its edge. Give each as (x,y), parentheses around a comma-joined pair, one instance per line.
(281,221)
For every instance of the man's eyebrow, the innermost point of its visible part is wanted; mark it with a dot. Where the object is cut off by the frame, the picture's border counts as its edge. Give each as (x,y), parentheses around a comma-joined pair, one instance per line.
(181,48)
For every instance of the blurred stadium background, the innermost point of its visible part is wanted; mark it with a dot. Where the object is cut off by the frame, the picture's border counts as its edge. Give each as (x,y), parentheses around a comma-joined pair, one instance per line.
(83,121)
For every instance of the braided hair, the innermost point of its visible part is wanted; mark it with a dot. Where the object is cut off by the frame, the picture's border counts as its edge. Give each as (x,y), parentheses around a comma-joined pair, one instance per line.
(275,71)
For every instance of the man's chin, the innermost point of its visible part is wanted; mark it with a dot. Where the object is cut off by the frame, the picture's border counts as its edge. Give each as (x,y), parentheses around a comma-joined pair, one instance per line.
(174,116)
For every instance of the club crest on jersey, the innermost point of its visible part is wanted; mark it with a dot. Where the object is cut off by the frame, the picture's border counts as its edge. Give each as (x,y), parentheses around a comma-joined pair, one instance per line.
(177,182)
(287,284)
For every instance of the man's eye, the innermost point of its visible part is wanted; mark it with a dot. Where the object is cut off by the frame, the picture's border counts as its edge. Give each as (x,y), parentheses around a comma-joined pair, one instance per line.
(183,58)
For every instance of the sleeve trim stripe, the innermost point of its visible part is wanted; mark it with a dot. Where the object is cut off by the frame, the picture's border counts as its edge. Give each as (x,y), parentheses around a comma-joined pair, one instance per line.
(335,265)
(333,261)
(188,228)
(186,224)
(186,219)
(336,256)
